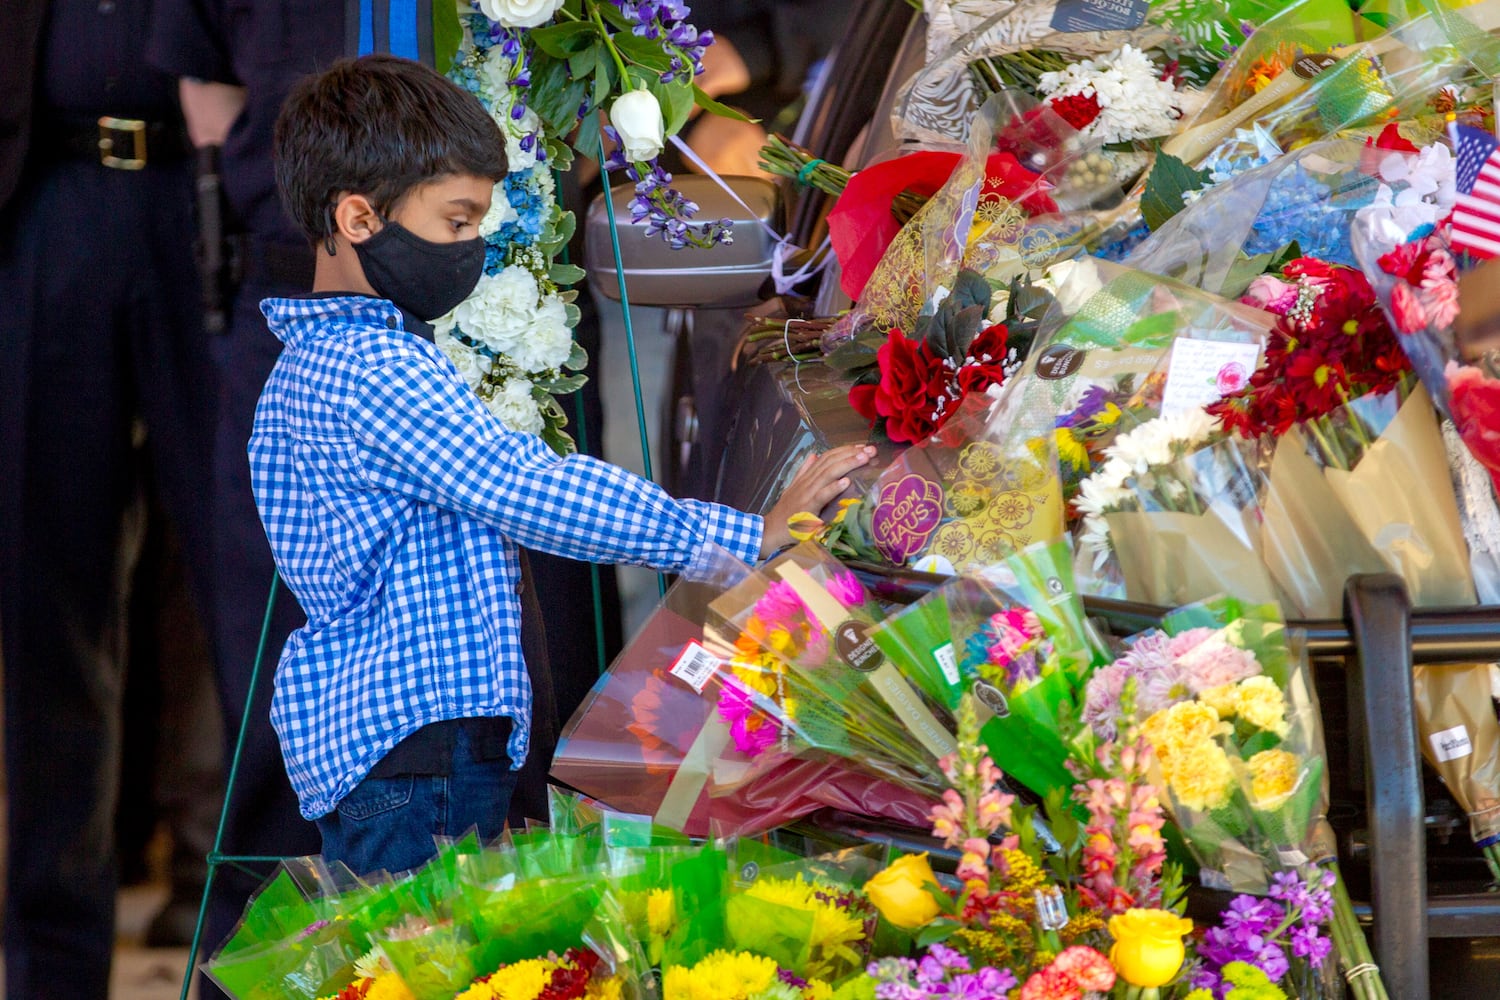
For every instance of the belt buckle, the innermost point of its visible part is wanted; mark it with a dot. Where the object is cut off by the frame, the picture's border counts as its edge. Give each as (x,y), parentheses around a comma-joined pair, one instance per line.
(114,136)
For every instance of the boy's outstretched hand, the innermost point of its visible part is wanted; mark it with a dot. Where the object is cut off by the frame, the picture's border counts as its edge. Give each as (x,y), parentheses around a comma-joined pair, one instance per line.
(817,482)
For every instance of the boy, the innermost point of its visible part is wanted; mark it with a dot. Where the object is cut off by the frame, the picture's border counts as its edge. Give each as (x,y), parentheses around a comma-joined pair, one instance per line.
(393,500)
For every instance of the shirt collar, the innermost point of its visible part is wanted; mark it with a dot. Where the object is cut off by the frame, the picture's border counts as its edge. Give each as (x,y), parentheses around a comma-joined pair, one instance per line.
(292,319)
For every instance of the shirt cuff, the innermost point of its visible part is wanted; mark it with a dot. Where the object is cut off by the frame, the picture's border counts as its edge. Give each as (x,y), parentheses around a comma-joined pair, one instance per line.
(728,530)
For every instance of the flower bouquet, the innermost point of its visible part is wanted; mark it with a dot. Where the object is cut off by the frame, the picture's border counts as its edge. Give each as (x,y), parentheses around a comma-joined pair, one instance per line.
(1335,374)
(803,677)
(1015,640)
(1174,512)
(1301,85)
(650,739)
(1226,703)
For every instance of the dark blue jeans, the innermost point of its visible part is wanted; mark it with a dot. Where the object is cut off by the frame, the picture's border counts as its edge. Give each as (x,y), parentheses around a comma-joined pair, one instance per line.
(391,823)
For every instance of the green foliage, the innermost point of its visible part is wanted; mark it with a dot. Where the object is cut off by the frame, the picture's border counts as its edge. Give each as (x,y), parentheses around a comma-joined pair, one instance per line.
(1169,181)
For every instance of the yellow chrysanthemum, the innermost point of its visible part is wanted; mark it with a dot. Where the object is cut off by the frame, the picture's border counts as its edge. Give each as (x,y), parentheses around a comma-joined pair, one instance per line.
(817,989)
(1221,699)
(389,986)
(1259,702)
(1273,776)
(1200,775)
(722,975)
(478,991)
(834,929)
(522,980)
(607,988)
(661,912)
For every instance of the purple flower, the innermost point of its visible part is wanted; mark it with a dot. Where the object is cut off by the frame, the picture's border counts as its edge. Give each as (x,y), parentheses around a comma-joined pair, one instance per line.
(1309,944)
(1253,915)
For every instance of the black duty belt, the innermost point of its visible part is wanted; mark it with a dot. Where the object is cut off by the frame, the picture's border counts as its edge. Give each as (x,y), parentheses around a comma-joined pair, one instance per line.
(118,143)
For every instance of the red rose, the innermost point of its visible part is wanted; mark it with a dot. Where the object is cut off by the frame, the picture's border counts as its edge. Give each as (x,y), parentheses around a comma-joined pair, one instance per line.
(984,364)
(904,396)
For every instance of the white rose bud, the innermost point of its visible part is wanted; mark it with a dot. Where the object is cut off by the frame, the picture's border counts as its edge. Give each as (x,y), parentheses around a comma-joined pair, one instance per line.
(637,117)
(519,13)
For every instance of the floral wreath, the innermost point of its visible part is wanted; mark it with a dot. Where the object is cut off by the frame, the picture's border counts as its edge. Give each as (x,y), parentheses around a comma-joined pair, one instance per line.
(544,69)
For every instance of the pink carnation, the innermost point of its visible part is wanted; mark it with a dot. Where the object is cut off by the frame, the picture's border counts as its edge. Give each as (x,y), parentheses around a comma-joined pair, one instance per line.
(1215,663)
(1406,309)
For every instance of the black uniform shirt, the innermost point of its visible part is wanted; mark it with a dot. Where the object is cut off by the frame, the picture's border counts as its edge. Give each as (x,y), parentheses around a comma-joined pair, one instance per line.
(266,46)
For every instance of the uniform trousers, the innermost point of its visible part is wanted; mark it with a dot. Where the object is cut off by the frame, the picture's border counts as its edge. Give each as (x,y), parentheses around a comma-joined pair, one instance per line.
(99,323)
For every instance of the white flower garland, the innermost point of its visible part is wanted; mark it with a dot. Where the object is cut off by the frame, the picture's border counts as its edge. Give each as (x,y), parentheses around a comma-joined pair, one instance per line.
(512,338)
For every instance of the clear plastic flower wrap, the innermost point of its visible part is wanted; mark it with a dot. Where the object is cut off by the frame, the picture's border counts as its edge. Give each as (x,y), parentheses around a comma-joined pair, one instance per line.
(650,739)
(1233,228)
(1225,699)
(969,224)
(797,655)
(1307,78)
(1015,637)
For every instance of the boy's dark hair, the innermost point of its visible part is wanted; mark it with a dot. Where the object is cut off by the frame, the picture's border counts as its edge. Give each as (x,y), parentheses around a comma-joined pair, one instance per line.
(377,126)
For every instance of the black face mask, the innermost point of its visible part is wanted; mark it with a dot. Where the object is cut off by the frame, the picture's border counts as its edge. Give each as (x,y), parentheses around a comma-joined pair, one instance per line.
(426,279)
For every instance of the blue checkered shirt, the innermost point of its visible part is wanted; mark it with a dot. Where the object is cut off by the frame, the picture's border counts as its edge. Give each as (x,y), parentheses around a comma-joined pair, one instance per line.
(394,503)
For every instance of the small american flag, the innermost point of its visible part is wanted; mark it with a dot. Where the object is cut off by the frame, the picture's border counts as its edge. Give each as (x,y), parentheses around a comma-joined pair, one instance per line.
(1476,216)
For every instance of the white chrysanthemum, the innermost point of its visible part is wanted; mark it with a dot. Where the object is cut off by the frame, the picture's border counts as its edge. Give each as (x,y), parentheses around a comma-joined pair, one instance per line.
(547,341)
(1098,495)
(1163,440)
(1134,102)
(472,366)
(501,211)
(499,312)
(513,405)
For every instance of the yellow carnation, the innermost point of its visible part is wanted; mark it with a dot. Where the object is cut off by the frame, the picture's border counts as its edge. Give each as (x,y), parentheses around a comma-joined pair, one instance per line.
(1200,775)
(607,988)
(1181,727)
(1221,699)
(1273,776)
(1258,701)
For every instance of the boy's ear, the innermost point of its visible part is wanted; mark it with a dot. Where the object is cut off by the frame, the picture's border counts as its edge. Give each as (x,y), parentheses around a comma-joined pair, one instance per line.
(355,218)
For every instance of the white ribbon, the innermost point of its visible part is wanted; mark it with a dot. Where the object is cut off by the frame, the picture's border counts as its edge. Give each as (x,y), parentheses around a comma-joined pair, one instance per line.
(784,247)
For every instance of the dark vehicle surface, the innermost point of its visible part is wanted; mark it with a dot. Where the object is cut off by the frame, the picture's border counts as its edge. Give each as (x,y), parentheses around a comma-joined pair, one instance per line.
(733,431)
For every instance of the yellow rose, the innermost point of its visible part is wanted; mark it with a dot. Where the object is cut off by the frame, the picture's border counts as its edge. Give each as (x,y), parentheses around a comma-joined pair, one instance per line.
(900,892)
(1148,948)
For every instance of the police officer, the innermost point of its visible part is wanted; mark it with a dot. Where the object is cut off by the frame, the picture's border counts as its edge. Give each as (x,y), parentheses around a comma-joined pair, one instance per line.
(96,232)
(237,60)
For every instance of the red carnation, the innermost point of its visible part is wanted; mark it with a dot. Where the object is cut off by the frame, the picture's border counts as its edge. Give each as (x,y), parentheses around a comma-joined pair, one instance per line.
(1078,110)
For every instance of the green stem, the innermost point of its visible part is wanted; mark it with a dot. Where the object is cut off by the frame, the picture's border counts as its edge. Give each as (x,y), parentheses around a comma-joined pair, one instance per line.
(1354,950)
(1492,858)
(1323,433)
(609,43)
